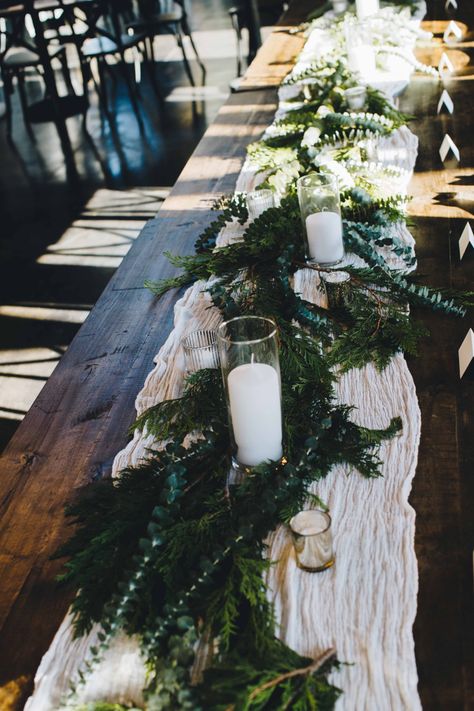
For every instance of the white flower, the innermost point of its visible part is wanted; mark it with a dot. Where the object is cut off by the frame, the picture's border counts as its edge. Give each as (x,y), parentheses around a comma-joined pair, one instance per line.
(311,136)
(323,111)
(280,180)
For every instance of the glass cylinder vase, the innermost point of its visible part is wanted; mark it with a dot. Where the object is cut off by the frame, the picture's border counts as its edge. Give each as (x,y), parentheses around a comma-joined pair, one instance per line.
(340,6)
(248,350)
(360,48)
(318,196)
(365,8)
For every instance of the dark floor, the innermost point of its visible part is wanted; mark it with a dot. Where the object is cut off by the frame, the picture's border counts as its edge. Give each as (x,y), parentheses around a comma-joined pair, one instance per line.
(60,243)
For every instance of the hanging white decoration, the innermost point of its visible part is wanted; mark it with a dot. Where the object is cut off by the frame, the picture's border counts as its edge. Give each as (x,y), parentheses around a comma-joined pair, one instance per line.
(452,33)
(445,64)
(450,3)
(446,101)
(448,145)
(466,354)
(466,239)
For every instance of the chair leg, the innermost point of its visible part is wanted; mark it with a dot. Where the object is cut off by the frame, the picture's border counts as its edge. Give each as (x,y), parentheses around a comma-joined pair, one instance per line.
(7,90)
(235,20)
(187,67)
(24,105)
(101,85)
(137,66)
(66,74)
(149,51)
(187,32)
(131,88)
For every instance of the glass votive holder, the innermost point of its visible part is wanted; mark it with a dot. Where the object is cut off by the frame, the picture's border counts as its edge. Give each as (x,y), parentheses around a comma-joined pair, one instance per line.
(258,201)
(200,350)
(339,6)
(336,284)
(248,350)
(318,196)
(356,97)
(359,47)
(312,540)
(365,8)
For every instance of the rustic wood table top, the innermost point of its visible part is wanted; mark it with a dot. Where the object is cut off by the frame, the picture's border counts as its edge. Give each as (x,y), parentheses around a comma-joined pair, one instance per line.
(81,418)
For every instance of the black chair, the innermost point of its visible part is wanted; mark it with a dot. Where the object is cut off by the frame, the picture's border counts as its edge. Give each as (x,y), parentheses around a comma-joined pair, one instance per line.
(18,56)
(152,21)
(101,36)
(250,14)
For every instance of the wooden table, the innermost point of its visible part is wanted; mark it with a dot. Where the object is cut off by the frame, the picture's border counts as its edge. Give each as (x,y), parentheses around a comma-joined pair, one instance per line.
(80,420)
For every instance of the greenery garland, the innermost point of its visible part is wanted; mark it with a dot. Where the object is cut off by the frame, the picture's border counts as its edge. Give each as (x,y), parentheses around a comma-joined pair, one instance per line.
(169,552)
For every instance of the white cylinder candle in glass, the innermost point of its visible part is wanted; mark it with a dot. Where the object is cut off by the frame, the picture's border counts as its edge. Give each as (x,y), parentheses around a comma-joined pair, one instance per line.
(318,196)
(365,8)
(339,6)
(360,48)
(248,350)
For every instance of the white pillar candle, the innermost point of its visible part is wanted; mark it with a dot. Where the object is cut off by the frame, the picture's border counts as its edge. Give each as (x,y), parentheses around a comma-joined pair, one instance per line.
(365,8)
(361,59)
(254,395)
(339,6)
(324,230)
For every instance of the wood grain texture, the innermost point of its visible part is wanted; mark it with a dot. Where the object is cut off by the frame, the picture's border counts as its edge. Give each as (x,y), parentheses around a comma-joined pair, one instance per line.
(279,51)
(81,418)
(443,487)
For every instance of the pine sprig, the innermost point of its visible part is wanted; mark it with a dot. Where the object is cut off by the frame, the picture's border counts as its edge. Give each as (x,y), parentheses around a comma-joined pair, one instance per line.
(170,552)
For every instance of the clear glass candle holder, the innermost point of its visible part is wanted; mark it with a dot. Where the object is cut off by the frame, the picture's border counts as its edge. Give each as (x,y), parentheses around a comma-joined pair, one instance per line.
(337,286)
(318,196)
(248,350)
(340,6)
(312,540)
(258,201)
(356,97)
(200,350)
(359,47)
(365,8)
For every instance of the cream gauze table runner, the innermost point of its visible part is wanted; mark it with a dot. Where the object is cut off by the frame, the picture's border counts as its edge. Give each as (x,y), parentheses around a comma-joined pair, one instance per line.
(365,605)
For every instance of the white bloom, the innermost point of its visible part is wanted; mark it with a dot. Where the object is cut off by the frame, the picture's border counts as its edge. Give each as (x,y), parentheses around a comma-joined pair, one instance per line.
(311,136)
(323,111)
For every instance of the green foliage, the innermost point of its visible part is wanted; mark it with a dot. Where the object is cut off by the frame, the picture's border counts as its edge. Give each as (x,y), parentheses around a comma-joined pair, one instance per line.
(280,680)
(201,403)
(170,551)
(255,276)
(104,706)
(334,127)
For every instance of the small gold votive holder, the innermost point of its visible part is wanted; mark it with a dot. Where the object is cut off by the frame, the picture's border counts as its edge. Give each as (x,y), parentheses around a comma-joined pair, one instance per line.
(312,540)
(336,285)
(200,350)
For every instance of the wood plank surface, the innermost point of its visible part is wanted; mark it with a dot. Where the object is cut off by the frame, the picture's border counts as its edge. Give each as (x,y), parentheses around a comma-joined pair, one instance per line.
(278,53)
(81,418)
(443,489)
